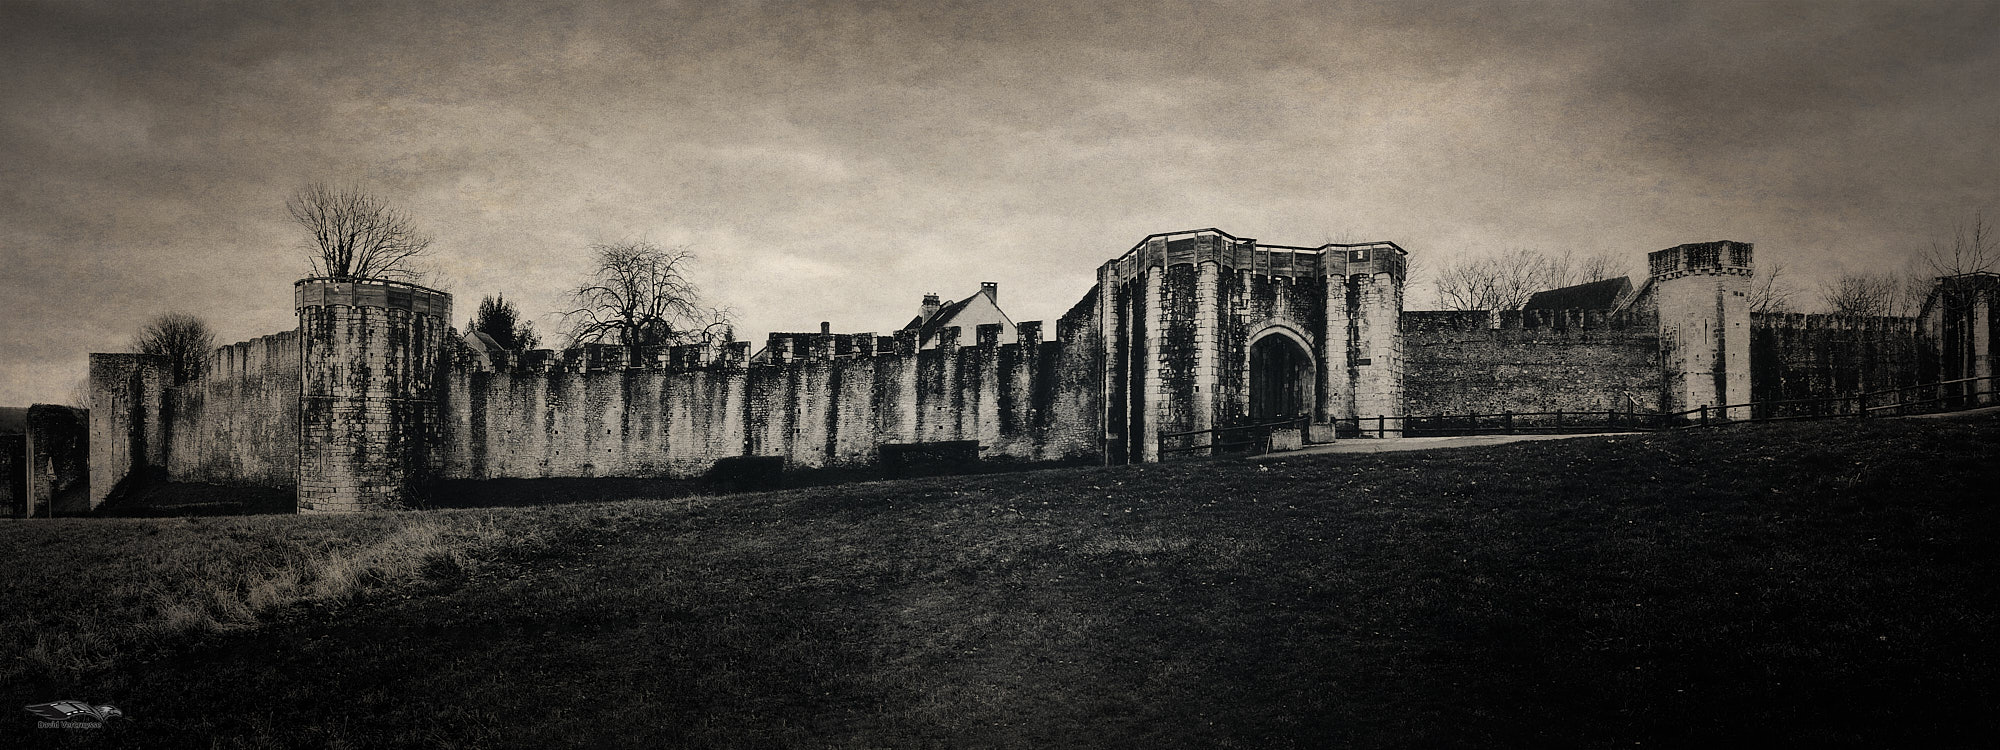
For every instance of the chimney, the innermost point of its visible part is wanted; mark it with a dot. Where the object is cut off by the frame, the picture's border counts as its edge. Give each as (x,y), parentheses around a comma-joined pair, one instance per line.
(825,327)
(931,306)
(992,290)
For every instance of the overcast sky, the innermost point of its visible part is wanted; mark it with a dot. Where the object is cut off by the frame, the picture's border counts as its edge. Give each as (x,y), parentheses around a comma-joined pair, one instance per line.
(835,161)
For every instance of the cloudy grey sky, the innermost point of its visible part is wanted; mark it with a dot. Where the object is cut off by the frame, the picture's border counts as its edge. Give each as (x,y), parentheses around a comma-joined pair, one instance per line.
(834,161)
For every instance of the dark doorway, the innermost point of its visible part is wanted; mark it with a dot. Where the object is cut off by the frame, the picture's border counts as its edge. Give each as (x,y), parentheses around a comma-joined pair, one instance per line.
(1280,374)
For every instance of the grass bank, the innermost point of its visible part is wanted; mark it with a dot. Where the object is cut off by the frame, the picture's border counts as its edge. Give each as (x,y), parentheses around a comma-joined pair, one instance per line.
(1803,584)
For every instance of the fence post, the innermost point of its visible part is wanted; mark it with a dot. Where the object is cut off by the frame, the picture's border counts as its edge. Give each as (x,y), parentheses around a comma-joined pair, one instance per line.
(1610,420)
(1507,420)
(1559,421)
(1704,415)
(1381,426)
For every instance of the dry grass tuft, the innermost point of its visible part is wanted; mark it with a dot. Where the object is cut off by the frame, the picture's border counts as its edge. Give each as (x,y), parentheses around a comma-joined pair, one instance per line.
(234,582)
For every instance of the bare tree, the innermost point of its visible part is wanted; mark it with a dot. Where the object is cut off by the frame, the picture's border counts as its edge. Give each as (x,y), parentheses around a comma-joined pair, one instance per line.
(639,294)
(1967,247)
(79,393)
(354,235)
(501,320)
(183,339)
(1506,280)
(1569,269)
(1863,295)
(1769,291)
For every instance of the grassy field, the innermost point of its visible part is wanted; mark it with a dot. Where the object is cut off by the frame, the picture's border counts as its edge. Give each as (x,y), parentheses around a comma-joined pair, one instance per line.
(1831,584)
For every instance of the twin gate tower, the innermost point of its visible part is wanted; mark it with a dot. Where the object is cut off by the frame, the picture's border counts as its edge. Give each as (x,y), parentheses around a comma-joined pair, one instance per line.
(1202,329)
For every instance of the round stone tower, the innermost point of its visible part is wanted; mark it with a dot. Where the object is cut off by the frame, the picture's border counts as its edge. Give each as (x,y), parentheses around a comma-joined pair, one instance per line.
(370,391)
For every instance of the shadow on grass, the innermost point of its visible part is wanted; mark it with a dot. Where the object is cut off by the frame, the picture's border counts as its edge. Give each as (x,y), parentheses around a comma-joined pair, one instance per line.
(158,498)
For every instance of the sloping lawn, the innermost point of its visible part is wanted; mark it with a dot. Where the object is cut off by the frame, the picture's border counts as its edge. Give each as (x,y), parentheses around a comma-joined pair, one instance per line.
(1828,584)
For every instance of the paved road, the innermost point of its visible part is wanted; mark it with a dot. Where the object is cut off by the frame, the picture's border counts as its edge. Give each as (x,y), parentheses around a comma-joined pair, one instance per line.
(1372,445)
(1951,414)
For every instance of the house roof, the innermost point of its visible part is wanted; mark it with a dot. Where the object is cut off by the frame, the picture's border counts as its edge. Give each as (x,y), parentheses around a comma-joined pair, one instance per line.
(944,315)
(927,329)
(482,341)
(1603,294)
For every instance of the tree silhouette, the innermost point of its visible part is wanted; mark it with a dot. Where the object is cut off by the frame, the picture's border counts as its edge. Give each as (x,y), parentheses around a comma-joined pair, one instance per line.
(639,294)
(499,319)
(183,339)
(354,235)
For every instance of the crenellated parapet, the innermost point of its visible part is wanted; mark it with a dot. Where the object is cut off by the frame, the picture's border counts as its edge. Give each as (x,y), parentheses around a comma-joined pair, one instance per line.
(784,348)
(1722,257)
(1195,247)
(815,399)
(1887,324)
(1422,322)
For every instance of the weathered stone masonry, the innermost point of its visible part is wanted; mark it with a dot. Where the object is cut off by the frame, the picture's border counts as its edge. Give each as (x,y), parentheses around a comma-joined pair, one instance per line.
(373,395)
(1701,294)
(371,376)
(1961,330)
(1183,316)
(832,405)
(1480,362)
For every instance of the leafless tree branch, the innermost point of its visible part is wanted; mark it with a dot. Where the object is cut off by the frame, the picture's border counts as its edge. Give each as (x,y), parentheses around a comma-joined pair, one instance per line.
(1770,291)
(639,294)
(1863,295)
(354,235)
(1966,247)
(1506,280)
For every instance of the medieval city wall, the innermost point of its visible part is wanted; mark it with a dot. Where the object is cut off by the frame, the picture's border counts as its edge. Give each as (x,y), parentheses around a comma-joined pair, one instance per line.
(239,422)
(127,425)
(1479,362)
(1797,356)
(832,405)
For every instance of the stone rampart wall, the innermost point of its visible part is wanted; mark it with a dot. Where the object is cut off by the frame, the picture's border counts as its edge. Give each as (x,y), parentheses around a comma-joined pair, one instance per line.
(238,423)
(1796,356)
(833,405)
(1530,361)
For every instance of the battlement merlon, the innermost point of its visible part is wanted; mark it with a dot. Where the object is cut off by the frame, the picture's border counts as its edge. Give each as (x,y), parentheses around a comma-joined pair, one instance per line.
(1722,257)
(1197,246)
(397,295)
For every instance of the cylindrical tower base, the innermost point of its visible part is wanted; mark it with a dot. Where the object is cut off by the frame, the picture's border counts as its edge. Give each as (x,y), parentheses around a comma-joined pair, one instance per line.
(370,391)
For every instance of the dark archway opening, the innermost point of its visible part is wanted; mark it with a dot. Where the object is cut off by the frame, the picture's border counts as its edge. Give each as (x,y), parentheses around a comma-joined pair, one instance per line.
(1280,376)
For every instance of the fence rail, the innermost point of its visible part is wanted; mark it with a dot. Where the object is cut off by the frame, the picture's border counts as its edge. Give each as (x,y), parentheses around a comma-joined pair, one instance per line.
(1250,438)
(1944,395)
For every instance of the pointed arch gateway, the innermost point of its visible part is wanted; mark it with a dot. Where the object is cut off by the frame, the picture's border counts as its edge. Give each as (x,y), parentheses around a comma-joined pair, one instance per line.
(1281,375)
